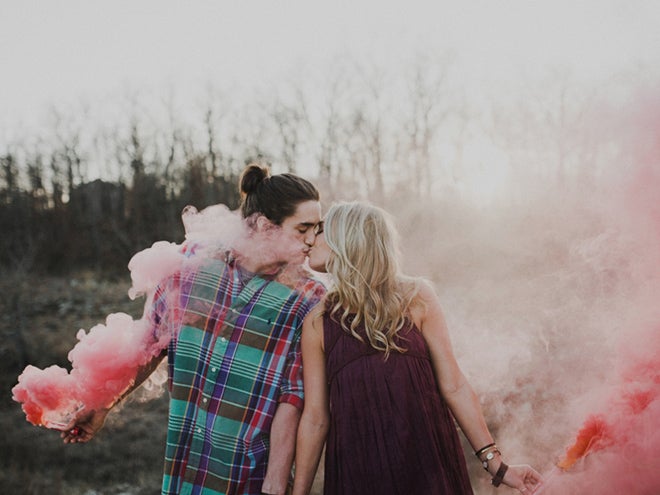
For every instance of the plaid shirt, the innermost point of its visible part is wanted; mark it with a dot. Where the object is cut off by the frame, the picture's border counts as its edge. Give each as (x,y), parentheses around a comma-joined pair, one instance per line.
(234,355)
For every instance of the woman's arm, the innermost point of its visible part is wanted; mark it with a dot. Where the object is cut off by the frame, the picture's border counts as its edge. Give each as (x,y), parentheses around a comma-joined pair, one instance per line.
(454,387)
(315,417)
(459,394)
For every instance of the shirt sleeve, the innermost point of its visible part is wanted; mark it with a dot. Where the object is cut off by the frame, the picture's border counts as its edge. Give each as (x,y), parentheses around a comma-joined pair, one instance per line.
(292,385)
(157,312)
(160,313)
(291,390)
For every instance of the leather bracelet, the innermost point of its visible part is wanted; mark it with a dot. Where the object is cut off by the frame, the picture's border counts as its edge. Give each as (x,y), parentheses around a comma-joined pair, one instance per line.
(484,449)
(499,476)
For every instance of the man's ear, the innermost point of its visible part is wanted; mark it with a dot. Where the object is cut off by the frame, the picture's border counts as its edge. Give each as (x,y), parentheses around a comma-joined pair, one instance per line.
(262,224)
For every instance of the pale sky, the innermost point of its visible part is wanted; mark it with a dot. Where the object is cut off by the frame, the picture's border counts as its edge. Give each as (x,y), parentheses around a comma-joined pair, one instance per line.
(55,51)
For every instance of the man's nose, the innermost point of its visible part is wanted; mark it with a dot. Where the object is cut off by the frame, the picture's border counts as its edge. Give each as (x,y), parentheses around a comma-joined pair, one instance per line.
(309,238)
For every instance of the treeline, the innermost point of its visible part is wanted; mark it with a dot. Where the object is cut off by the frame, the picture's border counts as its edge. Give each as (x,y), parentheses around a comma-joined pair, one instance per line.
(99,182)
(99,224)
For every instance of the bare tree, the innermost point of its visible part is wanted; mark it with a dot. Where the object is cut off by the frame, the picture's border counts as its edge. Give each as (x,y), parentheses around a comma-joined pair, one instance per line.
(428,108)
(329,165)
(292,125)
(9,177)
(211,149)
(67,134)
(19,249)
(221,177)
(546,131)
(366,133)
(37,190)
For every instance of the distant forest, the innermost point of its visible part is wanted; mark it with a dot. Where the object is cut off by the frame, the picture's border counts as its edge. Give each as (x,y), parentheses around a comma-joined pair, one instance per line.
(101,224)
(88,191)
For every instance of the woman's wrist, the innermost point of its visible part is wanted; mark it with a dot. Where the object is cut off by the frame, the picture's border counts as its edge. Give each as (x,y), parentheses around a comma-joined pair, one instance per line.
(494,465)
(488,456)
(499,475)
(491,460)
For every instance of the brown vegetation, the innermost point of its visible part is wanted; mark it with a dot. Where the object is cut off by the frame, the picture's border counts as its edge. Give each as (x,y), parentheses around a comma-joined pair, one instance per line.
(40,317)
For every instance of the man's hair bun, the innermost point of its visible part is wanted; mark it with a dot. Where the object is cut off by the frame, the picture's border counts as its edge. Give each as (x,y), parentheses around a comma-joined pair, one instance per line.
(253,175)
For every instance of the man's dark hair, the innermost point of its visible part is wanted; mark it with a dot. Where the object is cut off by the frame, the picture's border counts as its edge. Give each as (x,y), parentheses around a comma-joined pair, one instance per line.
(274,196)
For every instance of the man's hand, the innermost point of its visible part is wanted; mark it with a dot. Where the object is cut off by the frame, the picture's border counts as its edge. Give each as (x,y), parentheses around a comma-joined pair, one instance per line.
(85,427)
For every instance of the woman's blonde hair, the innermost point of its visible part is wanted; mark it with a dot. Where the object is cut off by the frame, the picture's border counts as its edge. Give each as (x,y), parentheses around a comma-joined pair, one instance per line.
(368,283)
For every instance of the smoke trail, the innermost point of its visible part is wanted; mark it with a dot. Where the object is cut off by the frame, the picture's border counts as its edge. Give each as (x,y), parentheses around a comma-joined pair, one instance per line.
(620,454)
(105,360)
(616,449)
(551,298)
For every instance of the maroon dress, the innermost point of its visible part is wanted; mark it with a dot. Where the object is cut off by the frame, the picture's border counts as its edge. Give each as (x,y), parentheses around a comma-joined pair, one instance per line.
(390,430)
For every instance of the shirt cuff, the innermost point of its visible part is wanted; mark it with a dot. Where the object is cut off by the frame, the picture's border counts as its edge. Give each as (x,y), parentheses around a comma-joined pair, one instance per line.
(295,400)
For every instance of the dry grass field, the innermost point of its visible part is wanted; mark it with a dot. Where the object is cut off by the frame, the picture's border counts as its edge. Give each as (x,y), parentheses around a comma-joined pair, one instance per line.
(40,317)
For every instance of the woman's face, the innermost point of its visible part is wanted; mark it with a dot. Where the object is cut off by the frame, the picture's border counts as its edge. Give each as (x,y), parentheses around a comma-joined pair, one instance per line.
(319,254)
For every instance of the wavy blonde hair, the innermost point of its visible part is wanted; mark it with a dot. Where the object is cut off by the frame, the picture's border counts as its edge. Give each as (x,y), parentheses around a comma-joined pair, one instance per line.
(364,264)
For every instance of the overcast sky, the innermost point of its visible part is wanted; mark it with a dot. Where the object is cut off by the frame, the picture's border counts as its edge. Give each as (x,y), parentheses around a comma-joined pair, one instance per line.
(52,52)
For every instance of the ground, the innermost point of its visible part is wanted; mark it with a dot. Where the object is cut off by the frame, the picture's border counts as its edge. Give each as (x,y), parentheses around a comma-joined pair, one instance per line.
(39,319)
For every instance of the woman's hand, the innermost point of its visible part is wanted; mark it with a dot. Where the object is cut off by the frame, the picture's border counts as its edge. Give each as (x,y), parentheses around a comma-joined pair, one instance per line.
(522,477)
(85,427)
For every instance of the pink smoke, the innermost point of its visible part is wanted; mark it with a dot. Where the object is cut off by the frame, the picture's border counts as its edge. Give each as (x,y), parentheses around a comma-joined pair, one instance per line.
(616,450)
(150,266)
(104,363)
(105,360)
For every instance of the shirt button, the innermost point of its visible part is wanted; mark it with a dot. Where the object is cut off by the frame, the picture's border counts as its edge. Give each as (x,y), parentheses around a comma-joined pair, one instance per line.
(214,370)
(199,430)
(223,339)
(205,400)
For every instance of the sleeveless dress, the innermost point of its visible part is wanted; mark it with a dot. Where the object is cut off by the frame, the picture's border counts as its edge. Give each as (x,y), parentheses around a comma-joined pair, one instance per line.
(390,430)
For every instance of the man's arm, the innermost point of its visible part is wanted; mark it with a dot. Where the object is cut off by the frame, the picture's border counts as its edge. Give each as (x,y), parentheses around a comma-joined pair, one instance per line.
(284,427)
(282,448)
(91,422)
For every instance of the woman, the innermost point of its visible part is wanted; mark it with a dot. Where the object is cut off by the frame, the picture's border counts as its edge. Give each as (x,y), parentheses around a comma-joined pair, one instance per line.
(380,377)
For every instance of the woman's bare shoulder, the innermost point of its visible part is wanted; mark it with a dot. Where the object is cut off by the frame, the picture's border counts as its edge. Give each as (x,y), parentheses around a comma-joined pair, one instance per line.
(425,302)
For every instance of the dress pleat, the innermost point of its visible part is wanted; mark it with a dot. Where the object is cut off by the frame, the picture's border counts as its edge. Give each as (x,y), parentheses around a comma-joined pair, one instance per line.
(390,430)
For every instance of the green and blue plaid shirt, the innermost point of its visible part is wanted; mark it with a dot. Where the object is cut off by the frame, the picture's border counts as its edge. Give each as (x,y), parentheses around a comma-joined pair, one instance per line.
(233,356)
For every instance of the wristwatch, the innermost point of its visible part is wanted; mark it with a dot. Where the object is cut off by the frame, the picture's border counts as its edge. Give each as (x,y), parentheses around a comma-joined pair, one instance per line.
(489,457)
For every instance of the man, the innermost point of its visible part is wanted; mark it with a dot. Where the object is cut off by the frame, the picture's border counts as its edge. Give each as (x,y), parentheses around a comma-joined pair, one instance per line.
(233,359)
